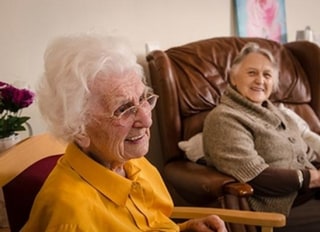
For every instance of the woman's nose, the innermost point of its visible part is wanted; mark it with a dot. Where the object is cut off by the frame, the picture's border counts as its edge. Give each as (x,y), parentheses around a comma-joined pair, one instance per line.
(259,78)
(143,117)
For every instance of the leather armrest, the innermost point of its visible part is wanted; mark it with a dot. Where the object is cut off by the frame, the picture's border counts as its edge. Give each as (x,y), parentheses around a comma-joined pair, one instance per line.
(201,184)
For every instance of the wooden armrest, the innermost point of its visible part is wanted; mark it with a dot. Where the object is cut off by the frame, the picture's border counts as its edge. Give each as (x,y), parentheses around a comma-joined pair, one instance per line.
(263,219)
(238,189)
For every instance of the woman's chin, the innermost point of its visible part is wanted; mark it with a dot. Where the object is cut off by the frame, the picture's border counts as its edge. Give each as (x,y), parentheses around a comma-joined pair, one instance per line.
(137,150)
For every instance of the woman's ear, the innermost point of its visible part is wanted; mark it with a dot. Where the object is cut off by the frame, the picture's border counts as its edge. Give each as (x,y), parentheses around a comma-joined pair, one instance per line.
(83,140)
(231,79)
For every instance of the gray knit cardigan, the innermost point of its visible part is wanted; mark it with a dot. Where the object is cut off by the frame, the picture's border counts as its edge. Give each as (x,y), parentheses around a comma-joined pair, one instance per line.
(242,139)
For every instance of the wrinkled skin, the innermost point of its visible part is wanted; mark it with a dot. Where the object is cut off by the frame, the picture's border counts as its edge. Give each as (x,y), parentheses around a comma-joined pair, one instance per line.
(254,78)
(207,224)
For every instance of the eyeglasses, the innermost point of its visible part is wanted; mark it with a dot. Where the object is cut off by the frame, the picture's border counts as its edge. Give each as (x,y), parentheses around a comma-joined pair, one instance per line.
(127,112)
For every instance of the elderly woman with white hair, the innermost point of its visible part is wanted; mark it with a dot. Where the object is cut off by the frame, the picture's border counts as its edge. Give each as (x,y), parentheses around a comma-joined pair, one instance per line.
(93,96)
(260,144)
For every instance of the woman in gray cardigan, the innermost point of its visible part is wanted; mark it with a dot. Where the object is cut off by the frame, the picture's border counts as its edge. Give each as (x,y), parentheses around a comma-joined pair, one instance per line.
(261,145)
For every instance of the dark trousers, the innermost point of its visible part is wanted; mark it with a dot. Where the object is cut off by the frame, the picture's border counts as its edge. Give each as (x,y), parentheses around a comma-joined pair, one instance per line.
(303,218)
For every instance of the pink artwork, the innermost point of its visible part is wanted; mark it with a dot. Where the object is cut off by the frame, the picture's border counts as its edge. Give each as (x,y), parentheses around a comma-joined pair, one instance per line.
(261,18)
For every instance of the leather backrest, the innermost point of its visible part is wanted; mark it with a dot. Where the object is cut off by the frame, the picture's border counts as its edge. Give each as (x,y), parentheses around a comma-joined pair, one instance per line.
(190,80)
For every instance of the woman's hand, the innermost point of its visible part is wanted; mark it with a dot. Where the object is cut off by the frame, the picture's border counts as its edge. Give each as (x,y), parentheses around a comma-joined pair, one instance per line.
(207,224)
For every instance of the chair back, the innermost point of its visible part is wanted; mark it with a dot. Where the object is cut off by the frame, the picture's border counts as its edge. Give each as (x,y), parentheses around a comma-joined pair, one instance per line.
(24,168)
(191,78)
(20,192)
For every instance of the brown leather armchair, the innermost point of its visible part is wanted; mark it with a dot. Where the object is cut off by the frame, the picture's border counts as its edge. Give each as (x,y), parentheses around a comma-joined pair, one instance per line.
(190,80)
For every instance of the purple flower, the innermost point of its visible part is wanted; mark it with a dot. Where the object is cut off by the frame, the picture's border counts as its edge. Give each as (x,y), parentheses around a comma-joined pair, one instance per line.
(2,84)
(12,100)
(22,98)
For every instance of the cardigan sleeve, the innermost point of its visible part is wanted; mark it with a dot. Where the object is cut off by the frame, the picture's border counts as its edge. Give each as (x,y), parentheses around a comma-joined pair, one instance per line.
(229,146)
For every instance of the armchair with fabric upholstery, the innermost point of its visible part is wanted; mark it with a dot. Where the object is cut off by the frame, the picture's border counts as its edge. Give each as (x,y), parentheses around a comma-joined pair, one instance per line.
(27,165)
(190,80)
(24,167)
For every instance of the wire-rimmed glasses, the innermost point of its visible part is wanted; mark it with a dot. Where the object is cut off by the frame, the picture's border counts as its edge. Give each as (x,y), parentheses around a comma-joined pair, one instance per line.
(127,112)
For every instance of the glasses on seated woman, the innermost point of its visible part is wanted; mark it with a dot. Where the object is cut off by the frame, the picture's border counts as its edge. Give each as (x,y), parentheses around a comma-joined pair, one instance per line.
(126,113)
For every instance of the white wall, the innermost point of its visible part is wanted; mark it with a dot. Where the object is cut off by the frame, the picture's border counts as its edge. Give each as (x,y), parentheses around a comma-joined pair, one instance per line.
(28,25)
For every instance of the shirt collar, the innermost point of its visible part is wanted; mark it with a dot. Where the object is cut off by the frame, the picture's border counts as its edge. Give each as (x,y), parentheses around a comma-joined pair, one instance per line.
(99,177)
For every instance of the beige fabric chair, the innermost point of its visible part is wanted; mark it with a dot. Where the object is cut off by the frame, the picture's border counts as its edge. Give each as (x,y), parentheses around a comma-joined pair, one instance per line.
(42,147)
(13,162)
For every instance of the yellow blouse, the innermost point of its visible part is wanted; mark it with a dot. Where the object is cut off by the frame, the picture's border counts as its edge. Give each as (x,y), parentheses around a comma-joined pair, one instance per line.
(82,195)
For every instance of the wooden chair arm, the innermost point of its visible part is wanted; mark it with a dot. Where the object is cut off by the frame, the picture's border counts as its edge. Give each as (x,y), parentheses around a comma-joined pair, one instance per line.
(17,158)
(267,221)
(238,189)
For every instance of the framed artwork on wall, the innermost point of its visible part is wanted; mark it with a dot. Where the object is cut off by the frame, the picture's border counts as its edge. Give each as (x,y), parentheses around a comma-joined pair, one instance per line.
(261,18)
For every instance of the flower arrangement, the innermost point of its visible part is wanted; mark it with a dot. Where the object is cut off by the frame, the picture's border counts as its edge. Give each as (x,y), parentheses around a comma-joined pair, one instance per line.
(12,101)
